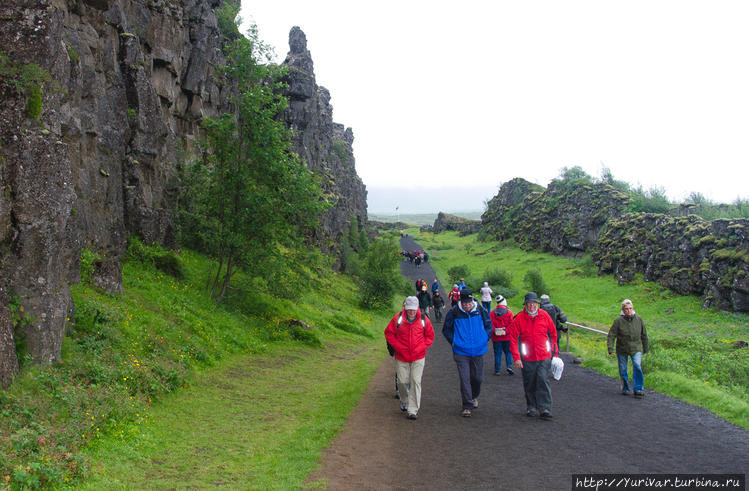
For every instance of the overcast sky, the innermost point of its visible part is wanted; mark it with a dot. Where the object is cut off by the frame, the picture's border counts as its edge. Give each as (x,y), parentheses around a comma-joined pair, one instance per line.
(476,92)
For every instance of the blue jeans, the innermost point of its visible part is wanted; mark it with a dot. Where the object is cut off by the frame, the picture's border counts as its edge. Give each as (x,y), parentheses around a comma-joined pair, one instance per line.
(487,305)
(637,375)
(499,348)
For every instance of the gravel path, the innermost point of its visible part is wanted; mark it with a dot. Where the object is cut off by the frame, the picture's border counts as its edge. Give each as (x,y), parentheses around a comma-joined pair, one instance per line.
(595,430)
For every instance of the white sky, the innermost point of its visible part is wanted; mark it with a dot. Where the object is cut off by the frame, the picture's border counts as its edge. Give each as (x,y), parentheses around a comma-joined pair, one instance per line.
(469,92)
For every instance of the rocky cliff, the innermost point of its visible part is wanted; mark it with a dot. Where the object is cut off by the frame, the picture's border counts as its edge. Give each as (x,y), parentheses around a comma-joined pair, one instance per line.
(446,221)
(562,219)
(324,145)
(129,82)
(689,255)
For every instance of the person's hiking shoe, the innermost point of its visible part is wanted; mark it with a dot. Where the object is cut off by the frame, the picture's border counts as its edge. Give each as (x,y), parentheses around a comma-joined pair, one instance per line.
(546,415)
(404,406)
(510,372)
(639,394)
(397,395)
(412,416)
(475,403)
(625,392)
(466,413)
(532,413)
(497,373)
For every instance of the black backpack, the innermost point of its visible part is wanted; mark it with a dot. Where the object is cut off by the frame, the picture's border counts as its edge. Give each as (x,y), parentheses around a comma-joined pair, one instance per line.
(391,350)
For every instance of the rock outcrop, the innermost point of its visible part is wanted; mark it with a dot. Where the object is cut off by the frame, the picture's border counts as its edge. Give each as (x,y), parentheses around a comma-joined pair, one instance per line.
(464,226)
(562,219)
(130,82)
(689,255)
(325,146)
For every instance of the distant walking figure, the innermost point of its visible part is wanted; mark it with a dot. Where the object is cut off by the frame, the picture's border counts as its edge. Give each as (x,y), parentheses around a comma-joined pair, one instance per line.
(628,331)
(557,315)
(501,318)
(486,296)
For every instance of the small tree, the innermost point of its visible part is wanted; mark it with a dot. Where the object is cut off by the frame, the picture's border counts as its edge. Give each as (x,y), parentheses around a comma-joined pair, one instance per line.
(535,282)
(248,196)
(379,273)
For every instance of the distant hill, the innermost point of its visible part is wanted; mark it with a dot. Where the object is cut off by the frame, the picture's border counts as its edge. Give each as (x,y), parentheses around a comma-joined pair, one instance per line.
(420,218)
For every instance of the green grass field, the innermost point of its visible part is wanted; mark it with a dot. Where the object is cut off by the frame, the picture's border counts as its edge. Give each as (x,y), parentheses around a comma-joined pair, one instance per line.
(693,355)
(163,387)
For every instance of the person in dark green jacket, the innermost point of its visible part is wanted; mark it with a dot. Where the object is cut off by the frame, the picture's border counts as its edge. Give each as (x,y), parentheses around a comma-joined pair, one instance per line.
(628,331)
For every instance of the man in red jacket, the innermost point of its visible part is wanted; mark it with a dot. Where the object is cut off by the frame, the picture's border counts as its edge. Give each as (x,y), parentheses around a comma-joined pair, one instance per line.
(538,343)
(410,334)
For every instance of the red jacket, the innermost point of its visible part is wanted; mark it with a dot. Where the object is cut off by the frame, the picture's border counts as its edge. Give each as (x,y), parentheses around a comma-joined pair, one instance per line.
(538,336)
(501,322)
(410,339)
(454,294)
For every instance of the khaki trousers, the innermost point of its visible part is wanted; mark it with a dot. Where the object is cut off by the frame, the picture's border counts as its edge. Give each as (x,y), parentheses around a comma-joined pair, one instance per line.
(409,374)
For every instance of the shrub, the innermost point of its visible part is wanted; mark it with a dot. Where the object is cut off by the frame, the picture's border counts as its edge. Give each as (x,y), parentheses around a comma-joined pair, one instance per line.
(535,282)
(505,291)
(457,272)
(34,102)
(498,277)
(162,259)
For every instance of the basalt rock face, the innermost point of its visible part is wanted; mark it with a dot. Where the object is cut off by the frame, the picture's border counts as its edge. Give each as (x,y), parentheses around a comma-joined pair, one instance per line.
(464,226)
(562,219)
(325,146)
(130,79)
(689,255)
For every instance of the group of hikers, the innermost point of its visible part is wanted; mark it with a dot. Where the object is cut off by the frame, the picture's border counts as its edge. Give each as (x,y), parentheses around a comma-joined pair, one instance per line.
(415,257)
(528,340)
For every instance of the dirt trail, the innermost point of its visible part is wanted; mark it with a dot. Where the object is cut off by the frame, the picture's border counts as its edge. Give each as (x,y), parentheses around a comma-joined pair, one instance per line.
(595,430)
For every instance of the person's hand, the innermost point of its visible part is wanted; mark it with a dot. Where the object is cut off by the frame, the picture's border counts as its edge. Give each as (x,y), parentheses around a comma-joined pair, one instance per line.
(518,364)
(611,353)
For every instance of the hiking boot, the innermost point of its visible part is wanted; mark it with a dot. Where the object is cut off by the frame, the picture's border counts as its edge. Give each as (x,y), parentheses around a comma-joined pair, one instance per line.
(510,372)
(397,395)
(531,413)
(497,373)
(404,406)
(475,403)
(546,415)
(412,416)
(625,392)
(639,394)
(466,413)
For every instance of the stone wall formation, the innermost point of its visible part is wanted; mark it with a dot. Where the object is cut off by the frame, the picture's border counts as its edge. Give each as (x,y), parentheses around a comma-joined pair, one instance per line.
(131,81)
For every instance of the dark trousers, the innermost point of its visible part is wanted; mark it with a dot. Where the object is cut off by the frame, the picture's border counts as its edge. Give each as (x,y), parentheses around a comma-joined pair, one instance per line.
(536,384)
(470,373)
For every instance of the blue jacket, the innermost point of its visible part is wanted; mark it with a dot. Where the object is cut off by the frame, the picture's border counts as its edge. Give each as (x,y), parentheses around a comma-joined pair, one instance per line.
(467,332)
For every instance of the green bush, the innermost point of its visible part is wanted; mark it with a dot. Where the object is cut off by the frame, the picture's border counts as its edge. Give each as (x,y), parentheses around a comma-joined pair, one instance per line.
(34,102)
(162,259)
(497,278)
(457,272)
(505,291)
(535,282)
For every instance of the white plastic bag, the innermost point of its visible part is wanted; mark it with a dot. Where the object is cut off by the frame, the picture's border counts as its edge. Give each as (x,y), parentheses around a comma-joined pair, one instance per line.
(557,366)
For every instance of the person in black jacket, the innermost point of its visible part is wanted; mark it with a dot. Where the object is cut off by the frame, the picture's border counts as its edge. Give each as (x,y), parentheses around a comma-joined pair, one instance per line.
(556,314)
(425,300)
(437,302)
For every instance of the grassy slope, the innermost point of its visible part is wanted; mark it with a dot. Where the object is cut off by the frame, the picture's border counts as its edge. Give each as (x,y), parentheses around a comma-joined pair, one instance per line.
(692,356)
(163,386)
